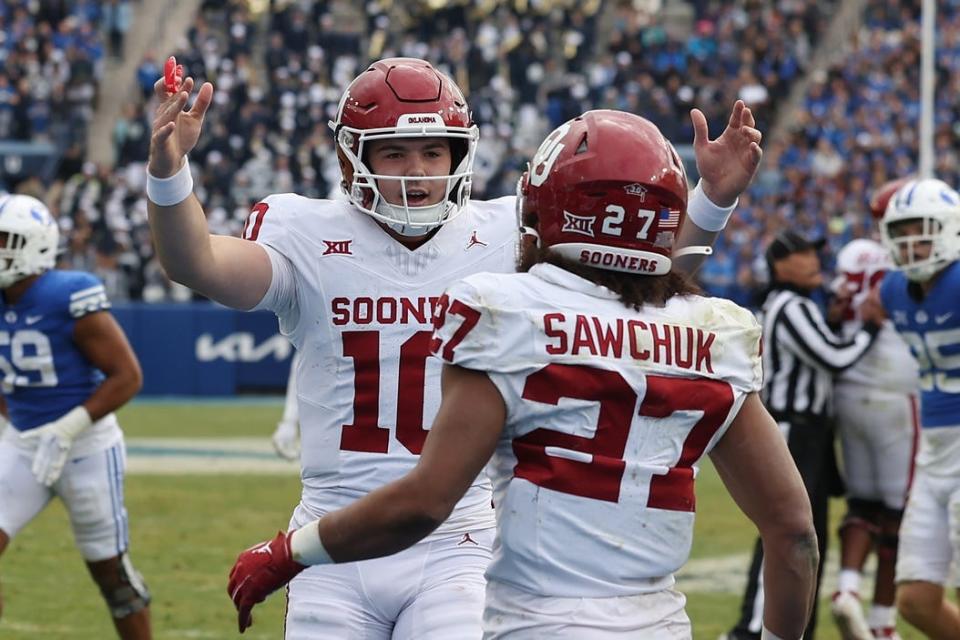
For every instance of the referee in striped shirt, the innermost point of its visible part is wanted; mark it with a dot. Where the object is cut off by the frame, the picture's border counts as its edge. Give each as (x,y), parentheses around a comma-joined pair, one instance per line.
(801,355)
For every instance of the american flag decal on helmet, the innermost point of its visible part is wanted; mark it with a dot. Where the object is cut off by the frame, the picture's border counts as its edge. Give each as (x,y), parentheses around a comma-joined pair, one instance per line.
(669,218)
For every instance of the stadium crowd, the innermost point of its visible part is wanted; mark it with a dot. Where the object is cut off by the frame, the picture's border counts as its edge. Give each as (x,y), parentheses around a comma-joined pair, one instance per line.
(857,129)
(279,76)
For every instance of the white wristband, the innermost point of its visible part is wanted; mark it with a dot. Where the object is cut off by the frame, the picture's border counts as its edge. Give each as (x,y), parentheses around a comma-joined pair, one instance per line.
(306,547)
(706,214)
(166,192)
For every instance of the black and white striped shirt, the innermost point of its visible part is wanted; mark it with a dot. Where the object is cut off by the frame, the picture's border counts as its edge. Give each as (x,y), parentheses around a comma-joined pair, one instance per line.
(801,354)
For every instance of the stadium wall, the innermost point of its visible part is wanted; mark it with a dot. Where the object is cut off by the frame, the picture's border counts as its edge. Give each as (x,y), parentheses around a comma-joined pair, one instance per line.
(203,349)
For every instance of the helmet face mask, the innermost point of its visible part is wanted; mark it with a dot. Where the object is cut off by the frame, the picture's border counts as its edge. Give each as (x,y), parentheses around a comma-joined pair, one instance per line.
(28,238)
(921,228)
(608,191)
(404,98)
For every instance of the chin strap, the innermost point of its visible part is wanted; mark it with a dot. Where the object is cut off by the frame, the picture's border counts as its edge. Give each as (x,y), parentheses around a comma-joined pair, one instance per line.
(530,231)
(390,211)
(409,231)
(689,251)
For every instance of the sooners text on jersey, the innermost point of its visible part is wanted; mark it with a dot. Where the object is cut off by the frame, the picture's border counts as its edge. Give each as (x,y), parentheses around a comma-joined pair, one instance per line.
(358,305)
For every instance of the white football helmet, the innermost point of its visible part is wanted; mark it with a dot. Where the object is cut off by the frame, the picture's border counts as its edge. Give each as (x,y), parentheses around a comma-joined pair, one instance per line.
(28,238)
(937,206)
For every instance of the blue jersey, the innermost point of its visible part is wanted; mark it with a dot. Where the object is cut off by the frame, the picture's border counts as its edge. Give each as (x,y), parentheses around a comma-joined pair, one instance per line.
(931,327)
(44,374)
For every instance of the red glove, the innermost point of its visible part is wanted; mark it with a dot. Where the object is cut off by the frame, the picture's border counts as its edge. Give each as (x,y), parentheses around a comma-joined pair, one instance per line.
(172,75)
(258,572)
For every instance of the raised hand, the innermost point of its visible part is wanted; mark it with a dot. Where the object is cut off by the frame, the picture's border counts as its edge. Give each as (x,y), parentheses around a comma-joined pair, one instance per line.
(727,164)
(175,131)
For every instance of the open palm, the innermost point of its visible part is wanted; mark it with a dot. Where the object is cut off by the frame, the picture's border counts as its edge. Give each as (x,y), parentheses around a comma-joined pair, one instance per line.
(175,131)
(727,164)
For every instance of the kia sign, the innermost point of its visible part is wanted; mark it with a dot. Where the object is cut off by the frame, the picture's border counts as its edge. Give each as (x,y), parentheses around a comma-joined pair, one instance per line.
(203,349)
(242,347)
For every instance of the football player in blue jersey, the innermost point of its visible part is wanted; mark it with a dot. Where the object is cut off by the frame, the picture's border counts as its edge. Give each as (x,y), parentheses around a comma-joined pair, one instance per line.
(66,366)
(921,229)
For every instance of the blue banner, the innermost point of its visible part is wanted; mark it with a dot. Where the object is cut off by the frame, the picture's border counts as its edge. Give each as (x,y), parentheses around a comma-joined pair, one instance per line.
(203,349)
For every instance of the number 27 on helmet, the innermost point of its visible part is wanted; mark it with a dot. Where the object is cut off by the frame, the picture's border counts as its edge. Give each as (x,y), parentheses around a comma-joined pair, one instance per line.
(607,190)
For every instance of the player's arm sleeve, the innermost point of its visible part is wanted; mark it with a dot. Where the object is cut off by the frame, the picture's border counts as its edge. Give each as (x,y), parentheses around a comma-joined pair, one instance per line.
(811,339)
(87,295)
(742,358)
(467,334)
(741,365)
(462,326)
(268,226)
(281,295)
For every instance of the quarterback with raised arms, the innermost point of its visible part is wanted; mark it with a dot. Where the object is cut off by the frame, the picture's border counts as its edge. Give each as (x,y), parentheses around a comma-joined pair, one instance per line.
(354,285)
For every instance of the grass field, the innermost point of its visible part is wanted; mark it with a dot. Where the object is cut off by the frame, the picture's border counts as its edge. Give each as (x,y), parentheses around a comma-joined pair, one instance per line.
(187,529)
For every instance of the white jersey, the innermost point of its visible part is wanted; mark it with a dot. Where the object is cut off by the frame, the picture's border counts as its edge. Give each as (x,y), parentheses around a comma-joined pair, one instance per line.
(358,305)
(889,364)
(609,411)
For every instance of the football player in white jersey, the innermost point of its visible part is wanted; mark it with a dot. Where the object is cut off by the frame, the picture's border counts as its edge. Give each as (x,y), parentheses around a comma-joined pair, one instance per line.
(286,437)
(65,367)
(877,419)
(596,380)
(354,284)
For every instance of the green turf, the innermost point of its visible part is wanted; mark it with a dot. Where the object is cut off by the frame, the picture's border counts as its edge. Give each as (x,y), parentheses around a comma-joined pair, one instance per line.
(187,530)
(185,534)
(721,529)
(183,420)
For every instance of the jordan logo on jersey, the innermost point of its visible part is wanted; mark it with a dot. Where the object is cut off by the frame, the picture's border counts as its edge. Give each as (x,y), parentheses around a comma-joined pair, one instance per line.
(475,241)
(465,539)
(337,247)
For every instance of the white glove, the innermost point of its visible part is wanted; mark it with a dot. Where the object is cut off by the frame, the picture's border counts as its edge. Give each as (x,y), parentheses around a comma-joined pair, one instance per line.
(53,441)
(286,440)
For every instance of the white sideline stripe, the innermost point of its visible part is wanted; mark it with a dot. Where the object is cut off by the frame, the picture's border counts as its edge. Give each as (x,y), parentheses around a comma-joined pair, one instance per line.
(728,574)
(28,627)
(205,456)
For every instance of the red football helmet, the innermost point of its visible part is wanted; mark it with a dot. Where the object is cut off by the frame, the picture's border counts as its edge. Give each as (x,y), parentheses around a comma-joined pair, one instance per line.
(404,98)
(881,197)
(609,191)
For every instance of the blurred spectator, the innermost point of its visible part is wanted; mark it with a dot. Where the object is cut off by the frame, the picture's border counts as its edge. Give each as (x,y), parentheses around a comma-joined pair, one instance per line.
(279,77)
(117,18)
(50,54)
